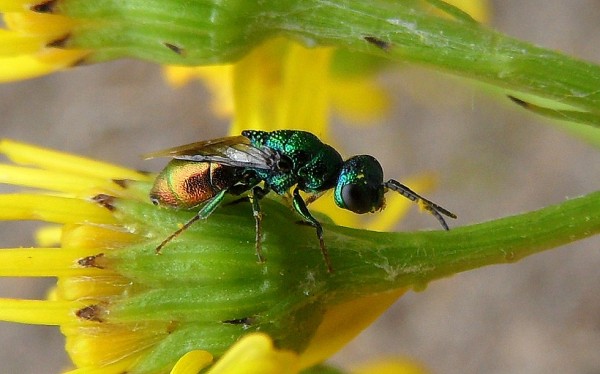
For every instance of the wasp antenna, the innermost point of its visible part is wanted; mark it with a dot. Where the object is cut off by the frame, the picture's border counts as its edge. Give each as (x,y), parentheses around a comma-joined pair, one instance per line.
(433,208)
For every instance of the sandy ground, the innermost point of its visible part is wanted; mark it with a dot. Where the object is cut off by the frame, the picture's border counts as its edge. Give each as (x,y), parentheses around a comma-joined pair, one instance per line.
(537,316)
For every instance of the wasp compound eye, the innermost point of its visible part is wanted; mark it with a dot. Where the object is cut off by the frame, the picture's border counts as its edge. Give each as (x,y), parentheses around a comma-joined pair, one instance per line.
(359,188)
(357,198)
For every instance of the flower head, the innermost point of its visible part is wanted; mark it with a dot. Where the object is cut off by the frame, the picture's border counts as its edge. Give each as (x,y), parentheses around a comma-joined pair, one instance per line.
(123,308)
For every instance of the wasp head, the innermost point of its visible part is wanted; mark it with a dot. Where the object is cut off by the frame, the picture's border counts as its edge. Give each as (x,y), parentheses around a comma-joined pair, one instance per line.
(360,185)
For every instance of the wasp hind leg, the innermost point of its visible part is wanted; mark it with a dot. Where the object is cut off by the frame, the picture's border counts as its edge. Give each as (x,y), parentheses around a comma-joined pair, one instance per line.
(300,207)
(206,211)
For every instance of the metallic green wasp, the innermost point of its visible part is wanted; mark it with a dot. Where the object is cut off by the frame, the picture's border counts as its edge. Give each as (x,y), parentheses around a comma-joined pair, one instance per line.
(283,160)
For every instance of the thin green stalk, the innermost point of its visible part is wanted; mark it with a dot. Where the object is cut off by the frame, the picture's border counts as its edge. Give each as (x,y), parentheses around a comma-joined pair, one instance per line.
(431,33)
(415,259)
(398,31)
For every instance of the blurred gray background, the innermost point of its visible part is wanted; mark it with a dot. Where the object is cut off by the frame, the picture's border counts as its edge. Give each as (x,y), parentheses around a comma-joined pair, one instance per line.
(493,159)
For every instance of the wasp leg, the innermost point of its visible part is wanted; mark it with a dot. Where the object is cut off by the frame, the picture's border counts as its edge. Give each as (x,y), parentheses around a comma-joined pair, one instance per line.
(257,194)
(300,207)
(206,211)
(429,206)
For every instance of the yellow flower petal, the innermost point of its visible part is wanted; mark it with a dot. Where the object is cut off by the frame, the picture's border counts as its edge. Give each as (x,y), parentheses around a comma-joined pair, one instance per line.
(478,9)
(63,162)
(49,26)
(343,322)
(48,236)
(255,354)
(38,312)
(51,209)
(218,79)
(43,262)
(28,66)
(272,90)
(24,40)
(94,236)
(12,44)
(104,345)
(391,366)
(192,362)
(95,282)
(14,5)
(52,180)
(359,100)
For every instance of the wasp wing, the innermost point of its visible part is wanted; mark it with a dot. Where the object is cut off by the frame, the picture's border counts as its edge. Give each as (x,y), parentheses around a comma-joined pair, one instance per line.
(232,151)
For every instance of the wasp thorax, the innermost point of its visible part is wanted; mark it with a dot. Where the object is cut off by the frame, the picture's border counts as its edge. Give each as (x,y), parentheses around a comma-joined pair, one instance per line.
(360,185)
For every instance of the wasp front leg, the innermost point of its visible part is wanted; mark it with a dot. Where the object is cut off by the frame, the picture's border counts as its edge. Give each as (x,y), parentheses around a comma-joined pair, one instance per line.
(300,207)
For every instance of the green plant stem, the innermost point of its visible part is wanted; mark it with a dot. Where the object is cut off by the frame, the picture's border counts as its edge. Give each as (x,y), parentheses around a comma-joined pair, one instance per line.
(402,32)
(436,35)
(415,259)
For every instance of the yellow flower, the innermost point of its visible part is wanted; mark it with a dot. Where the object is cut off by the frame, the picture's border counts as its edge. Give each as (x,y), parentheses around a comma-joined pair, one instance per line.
(88,230)
(107,277)
(99,301)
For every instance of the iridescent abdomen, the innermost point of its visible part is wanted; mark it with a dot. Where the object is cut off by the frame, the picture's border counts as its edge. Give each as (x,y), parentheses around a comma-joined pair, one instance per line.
(184,184)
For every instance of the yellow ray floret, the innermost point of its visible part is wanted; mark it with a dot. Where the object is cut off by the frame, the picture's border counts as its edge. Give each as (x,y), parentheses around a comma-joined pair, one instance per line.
(64,162)
(254,354)
(96,345)
(14,5)
(52,209)
(343,322)
(391,366)
(51,180)
(43,262)
(21,67)
(26,43)
(38,312)
(192,362)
